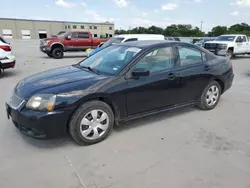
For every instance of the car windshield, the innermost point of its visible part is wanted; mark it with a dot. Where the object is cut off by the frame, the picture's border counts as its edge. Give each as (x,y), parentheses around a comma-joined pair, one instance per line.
(60,35)
(114,40)
(225,38)
(111,60)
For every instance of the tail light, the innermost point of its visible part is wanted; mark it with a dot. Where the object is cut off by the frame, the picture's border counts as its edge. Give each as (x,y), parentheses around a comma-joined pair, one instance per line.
(6,48)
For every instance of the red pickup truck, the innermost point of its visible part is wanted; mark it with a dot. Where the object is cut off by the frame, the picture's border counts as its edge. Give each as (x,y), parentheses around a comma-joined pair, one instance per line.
(68,42)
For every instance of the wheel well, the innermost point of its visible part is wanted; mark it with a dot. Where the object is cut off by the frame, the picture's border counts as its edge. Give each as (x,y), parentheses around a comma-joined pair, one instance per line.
(57,46)
(221,85)
(105,100)
(231,48)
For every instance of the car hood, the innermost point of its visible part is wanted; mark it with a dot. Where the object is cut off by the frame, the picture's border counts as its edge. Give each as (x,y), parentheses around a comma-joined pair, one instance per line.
(218,42)
(56,81)
(53,38)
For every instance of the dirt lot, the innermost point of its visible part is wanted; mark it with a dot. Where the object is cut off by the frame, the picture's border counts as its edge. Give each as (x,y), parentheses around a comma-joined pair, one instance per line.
(180,149)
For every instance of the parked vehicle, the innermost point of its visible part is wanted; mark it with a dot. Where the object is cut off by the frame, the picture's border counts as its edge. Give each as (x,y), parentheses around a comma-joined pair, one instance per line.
(119,83)
(203,41)
(173,38)
(7,59)
(70,41)
(229,45)
(126,38)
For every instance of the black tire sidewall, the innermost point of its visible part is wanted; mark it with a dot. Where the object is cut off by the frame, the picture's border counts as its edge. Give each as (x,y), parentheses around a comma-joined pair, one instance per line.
(203,103)
(81,112)
(54,53)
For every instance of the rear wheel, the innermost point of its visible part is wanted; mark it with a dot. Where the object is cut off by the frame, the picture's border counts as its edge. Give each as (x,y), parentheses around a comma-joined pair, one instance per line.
(57,53)
(210,96)
(91,123)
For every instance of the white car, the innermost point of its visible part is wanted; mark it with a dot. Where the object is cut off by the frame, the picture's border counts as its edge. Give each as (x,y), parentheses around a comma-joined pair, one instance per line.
(7,59)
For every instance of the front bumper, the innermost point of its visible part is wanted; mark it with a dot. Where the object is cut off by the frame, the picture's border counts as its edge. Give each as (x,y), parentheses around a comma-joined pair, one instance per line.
(220,52)
(45,49)
(38,124)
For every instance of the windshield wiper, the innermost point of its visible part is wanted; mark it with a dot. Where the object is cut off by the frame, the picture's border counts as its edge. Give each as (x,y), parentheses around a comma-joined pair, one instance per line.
(90,69)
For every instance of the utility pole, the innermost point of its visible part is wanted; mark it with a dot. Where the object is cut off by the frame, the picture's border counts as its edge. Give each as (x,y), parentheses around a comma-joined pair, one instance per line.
(201,25)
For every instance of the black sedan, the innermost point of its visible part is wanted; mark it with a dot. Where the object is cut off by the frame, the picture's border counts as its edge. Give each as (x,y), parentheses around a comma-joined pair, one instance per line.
(119,83)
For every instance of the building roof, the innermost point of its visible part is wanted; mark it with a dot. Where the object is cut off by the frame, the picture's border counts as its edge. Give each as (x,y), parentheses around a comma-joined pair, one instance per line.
(68,22)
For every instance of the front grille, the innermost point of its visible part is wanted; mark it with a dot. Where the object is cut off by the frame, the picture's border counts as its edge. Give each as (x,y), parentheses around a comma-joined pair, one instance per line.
(211,46)
(15,101)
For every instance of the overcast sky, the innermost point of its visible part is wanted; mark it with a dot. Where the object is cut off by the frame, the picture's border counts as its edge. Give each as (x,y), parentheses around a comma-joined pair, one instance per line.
(132,13)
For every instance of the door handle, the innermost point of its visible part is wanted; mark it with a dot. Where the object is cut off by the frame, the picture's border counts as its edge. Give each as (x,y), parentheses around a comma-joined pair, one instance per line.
(207,68)
(172,76)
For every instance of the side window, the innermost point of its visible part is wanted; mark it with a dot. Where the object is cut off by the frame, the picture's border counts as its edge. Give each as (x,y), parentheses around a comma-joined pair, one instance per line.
(157,60)
(238,39)
(189,56)
(244,39)
(83,35)
(130,40)
(74,35)
(204,56)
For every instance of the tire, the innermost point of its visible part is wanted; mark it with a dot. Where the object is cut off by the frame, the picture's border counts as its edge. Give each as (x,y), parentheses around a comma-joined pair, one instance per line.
(214,98)
(92,125)
(50,54)
(230,54)
(57,53)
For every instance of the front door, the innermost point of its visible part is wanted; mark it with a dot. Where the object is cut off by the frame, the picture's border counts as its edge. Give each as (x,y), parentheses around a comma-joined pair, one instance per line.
(159,89)
(194,72)
(71,44)
(241,45)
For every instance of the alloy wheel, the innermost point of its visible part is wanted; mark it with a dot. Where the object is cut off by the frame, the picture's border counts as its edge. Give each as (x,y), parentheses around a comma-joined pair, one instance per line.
(94,124)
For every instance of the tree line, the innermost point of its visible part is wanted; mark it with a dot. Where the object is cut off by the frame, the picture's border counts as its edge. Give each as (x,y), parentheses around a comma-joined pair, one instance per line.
(187,30)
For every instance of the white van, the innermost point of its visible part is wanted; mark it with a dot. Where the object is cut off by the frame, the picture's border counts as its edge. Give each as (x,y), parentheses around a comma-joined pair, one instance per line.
(126,38)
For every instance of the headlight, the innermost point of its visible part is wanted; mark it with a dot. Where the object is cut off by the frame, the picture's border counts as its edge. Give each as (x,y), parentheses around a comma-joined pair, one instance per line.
(223,46)
(43,102)
(46,42)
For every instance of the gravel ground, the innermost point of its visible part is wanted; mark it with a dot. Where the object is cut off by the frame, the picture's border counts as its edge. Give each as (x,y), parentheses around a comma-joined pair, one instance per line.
(182,148)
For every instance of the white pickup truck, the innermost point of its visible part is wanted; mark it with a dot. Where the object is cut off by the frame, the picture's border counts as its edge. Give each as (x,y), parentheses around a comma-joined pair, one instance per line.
(229,45)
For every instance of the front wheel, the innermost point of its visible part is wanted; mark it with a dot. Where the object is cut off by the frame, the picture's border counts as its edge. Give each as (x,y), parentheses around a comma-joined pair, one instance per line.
(210,96)
(230,54)
(91,123)
(57,53)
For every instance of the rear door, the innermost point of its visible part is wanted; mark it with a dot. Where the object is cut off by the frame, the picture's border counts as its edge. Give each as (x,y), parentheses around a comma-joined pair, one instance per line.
(194,71)
(84,41)
(240,47)
(245,45)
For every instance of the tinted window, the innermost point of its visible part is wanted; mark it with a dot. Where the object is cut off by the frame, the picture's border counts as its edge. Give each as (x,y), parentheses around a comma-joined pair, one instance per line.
(189,55)
(244,39)
(169,38)
(177,39)
(132,39)
(83,35)
(114,40)
(157,60)
(74,35)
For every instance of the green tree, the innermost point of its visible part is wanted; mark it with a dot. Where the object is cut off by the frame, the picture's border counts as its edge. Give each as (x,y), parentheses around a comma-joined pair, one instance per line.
(219,30)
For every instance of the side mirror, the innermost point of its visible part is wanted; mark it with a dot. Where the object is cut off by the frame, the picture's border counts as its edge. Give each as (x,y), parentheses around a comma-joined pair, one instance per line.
(138,72)
(68,37)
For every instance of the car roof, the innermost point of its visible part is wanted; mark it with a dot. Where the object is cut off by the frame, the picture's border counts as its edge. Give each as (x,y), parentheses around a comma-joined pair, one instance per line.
(137,35)
(149,43)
